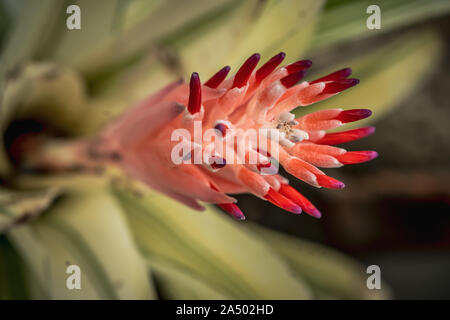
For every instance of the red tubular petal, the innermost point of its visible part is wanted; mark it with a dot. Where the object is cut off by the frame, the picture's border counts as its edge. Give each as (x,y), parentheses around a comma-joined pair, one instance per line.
(328,182)
(338,75)
(269,66)
(245,71)
(195,94)
(218,78)
(339,85)
(353,115)
(345,136)
(298,66)
(353,157)
(292,194)
(281,201)
(233,210)
(292,79)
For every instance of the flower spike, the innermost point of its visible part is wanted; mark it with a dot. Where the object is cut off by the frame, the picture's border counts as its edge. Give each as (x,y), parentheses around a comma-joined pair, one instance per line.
(257,99)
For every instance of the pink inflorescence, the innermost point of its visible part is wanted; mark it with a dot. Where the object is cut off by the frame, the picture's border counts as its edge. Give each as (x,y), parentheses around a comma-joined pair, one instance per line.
(252,98)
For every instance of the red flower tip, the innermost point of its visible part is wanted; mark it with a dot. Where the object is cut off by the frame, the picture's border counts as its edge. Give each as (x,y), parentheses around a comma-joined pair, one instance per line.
(339,85)
(353,115)
(293,78)
(281,201)
(353,157)
(195,94)
(298,66)
(328,182)
(233,210)
(218,78)
(292,194)
(269,66)
(345,136)
(245,71)
(337,75)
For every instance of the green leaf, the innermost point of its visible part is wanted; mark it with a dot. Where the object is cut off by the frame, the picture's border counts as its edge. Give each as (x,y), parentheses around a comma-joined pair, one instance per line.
(84,228)
(12,273)
(346,20)
(395,70)
(48,92)
(285,25)
(330,273)
(210,246)
(126,31)
(179,284)
(226,35)
(17,207)
(26,35)
(30,32)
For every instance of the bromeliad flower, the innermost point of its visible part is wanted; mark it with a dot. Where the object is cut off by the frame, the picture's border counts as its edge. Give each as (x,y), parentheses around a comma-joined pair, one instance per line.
(251,99)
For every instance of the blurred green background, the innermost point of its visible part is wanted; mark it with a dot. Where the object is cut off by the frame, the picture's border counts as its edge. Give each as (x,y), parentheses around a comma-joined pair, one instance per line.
(69,83)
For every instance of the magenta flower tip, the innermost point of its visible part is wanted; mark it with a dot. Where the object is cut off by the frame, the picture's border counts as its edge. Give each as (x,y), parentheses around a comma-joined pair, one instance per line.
(353,115)
(218,78)
(245,71)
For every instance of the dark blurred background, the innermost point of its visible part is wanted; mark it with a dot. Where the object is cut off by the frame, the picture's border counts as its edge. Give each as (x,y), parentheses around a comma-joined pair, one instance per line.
(395,210)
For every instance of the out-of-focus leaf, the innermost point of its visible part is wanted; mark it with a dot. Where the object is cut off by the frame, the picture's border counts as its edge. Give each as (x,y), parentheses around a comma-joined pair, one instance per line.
(31,30)
(12,273)
(5,21)
(346,20)
(84,228)
(177,283)
(387,75)
(204,45)
(46,91)
(125,35)
(17,207)
(329,273)
(285,25)
(226,35)
(28,32)
(210,246)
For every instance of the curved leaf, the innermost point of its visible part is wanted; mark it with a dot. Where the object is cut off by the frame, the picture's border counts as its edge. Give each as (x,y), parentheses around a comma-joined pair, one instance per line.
(17,207)
(85,229)
(396,70)
(177,283)
(210,246)
(330,273)
(346,20)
